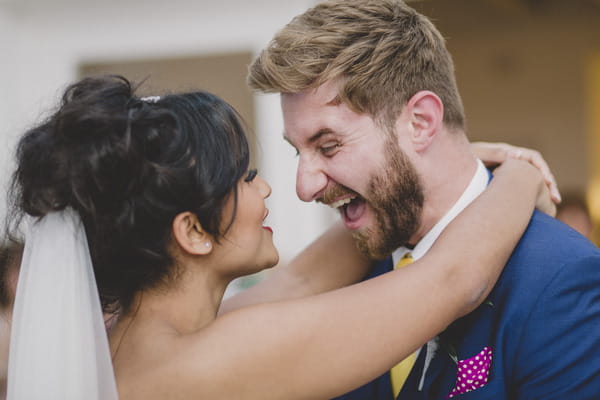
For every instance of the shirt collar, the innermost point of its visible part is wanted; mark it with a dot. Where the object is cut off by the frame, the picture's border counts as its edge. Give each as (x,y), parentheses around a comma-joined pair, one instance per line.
(477,185)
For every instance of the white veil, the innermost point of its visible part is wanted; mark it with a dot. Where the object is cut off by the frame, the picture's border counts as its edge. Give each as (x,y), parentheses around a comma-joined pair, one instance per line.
(58,347)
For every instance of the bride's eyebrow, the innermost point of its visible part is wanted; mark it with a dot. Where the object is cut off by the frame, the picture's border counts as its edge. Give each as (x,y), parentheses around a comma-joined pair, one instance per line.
(251,175)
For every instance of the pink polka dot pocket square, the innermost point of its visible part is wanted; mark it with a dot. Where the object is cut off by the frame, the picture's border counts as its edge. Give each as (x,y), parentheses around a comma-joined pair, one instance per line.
(472,372)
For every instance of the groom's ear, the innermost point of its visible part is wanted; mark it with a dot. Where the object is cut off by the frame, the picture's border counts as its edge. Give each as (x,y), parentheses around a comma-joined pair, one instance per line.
(189,234)
(426,113)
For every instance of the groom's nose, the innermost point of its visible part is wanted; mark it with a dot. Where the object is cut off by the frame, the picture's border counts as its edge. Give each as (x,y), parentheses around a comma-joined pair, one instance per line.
(311,180)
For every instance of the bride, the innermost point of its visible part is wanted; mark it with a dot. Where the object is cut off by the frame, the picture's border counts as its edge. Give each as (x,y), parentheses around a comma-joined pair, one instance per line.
(145,209)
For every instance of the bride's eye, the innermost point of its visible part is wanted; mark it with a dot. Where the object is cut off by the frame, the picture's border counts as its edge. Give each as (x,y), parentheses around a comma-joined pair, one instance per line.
(251,175)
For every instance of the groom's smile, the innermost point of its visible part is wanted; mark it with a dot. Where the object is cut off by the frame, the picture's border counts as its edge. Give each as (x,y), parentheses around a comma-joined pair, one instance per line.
(352,206)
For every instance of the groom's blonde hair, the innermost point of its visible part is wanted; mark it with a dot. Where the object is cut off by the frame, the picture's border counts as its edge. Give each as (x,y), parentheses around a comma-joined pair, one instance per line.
(382,51)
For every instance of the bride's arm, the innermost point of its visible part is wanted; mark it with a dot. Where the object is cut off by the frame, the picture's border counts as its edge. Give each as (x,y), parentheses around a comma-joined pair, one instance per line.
(493,154)
(324,345)
(332,261)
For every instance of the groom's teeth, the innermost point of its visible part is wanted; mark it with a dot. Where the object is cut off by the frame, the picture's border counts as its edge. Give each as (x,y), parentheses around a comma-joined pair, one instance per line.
(341,202)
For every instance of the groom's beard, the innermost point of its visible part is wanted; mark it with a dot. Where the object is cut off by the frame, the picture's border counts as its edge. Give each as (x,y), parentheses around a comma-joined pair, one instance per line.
(396,199)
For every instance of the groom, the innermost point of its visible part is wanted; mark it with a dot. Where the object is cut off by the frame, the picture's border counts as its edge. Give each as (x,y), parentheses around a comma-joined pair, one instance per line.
(370,103)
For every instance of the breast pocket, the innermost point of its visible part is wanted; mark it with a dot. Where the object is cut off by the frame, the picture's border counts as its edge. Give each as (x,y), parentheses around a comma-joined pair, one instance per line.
(493,390)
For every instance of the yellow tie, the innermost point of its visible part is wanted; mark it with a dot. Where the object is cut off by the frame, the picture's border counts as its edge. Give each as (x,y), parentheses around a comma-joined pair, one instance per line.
(399,373)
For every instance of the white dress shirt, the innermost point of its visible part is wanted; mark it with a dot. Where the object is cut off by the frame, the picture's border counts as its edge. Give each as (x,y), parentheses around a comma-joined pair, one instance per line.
(475,188)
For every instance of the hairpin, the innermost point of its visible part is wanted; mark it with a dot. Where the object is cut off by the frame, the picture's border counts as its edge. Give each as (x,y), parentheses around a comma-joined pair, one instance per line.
(150,99)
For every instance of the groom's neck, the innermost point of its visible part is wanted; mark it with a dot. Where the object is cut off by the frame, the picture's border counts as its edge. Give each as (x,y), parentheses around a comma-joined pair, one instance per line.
(445,171)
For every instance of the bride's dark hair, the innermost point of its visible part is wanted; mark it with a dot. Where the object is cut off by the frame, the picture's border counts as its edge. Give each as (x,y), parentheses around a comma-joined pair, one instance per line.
(128,166)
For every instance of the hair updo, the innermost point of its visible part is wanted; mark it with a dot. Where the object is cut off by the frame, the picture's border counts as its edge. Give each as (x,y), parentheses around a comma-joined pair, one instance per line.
(128,167)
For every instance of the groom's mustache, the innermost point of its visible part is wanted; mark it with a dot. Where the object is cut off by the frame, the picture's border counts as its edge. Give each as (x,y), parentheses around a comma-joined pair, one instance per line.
(335,192)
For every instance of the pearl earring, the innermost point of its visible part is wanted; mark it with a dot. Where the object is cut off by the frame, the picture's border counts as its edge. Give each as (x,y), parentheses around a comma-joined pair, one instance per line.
(207,244)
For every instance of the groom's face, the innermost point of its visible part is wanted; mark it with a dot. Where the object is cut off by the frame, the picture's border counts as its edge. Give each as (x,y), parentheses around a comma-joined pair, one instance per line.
(349,162)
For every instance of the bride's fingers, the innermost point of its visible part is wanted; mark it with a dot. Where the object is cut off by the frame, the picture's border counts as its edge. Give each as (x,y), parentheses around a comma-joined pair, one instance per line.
(491,154)
(545,203)
(496,153)
(535,158)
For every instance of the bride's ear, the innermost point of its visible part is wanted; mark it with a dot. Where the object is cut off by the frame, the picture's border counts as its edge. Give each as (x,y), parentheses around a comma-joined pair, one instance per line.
(190,235)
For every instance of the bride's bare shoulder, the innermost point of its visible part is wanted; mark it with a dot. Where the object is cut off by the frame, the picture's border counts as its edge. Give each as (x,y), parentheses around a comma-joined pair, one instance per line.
(151,362)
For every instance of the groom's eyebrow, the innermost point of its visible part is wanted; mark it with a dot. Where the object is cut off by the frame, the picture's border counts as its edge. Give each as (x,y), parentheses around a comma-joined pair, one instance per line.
(316,136)
(320,133)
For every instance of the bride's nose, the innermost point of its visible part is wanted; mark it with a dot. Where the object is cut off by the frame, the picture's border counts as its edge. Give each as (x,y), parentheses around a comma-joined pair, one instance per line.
(264,187)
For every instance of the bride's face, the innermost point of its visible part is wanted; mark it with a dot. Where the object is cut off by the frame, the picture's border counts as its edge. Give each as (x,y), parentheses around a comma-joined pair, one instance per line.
(247,246)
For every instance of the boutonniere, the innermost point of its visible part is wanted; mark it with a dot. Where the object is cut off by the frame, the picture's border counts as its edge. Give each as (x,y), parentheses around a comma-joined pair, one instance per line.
(447,347)
(450,337)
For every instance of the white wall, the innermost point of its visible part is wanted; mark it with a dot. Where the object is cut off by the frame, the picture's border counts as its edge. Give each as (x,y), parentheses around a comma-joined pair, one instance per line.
(42,43)
(7,104)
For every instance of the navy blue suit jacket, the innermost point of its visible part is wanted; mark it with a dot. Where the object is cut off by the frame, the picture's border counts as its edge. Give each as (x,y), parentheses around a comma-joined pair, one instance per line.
(542,322)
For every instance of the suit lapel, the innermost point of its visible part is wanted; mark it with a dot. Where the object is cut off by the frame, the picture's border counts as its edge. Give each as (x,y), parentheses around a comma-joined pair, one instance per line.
(410,389)
(469,336)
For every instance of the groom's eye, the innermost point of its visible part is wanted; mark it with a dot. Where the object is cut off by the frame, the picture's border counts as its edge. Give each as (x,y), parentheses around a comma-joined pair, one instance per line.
(329,149)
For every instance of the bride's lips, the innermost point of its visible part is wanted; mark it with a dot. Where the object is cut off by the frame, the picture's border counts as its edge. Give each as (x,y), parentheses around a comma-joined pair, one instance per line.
(268,228)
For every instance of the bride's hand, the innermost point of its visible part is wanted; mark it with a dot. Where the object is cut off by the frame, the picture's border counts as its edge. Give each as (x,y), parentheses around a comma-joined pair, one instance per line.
(493,154)
(544,201)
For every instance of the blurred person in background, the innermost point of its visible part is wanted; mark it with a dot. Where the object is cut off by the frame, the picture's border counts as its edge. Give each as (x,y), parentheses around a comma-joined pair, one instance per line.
(573,211)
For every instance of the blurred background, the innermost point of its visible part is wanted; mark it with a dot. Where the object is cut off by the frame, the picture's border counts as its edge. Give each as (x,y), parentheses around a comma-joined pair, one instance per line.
(528,71)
